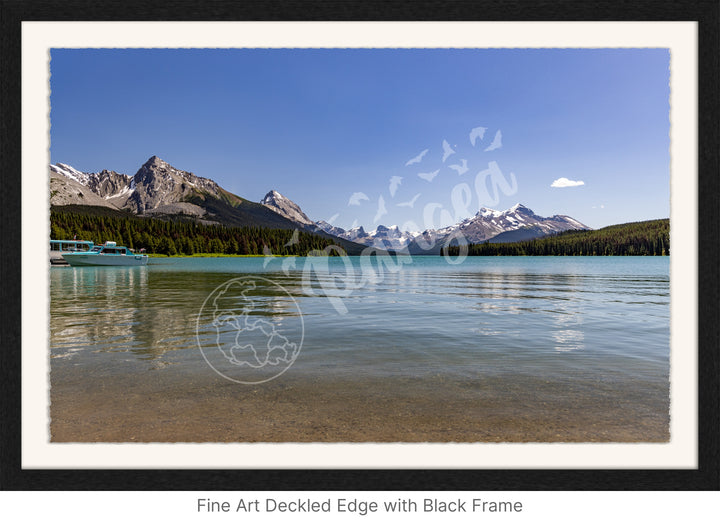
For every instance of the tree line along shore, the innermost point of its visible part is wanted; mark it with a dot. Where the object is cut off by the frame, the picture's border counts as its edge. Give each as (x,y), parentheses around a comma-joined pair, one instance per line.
(182,237)
(187,237)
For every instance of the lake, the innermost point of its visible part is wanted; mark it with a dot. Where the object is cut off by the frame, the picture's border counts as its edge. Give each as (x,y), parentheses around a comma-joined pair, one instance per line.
(392,349)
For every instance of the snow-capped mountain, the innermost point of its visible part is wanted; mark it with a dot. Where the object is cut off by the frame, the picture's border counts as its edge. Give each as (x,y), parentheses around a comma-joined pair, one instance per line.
(156,188)
(488,223)
(69,172)
(70,187)
(107,184)
(518,222)
(382,237)
(330,229)
(285,207)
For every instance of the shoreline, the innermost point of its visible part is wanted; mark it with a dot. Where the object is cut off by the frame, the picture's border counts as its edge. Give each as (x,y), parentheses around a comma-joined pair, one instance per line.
(221,255)
(216,255)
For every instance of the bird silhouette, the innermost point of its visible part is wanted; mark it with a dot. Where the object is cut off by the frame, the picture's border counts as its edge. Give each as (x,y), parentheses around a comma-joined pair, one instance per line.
(381,209)
(460,169)
(496,142)
(477,133)
(357,197)
(410,203)
(294,239)
(428,176)
(268,256)
(447,150)
(288,263)
(417,158)
(394,184)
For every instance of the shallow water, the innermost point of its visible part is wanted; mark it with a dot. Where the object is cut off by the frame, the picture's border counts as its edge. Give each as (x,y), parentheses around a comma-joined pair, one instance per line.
(352,349)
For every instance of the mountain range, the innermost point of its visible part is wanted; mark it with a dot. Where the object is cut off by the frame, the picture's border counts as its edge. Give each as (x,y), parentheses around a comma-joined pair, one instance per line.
(515,224)
(160,190)
(518,223)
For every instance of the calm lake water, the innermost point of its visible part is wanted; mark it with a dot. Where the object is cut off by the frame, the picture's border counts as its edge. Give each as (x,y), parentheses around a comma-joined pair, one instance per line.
(376,349)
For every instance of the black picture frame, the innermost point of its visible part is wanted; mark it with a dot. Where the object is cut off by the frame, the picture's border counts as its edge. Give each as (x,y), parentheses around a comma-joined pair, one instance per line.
(705,477)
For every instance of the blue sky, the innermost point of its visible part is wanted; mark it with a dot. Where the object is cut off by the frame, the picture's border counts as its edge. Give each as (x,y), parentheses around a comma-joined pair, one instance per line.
(321,125)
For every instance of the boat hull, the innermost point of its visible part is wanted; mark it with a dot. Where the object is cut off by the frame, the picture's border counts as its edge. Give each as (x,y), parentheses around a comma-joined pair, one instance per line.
(78,260)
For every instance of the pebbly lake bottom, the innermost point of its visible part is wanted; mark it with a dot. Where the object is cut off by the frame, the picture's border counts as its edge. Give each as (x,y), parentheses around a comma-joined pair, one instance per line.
(490,350)
(165,408)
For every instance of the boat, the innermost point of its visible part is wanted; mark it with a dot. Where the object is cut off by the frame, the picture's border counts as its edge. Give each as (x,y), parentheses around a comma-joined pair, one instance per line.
(107,254)
(57,247)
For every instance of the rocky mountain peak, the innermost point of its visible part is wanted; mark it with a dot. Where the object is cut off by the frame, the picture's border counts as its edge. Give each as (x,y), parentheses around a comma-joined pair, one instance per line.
(285,207)
(521,209)
(154,161)
(273,198)
(357,232)
(157,168)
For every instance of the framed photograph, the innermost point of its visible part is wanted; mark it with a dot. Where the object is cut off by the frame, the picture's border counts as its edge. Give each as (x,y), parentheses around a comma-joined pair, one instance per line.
(362,249)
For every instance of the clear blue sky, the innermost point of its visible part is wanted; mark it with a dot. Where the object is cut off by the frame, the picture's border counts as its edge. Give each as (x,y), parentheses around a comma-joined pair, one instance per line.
(321,125)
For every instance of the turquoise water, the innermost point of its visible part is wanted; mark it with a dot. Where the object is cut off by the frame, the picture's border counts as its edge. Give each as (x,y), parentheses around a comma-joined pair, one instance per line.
(595,327)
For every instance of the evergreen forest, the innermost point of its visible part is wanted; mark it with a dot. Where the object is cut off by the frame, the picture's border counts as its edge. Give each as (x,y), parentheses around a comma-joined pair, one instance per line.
(182,236)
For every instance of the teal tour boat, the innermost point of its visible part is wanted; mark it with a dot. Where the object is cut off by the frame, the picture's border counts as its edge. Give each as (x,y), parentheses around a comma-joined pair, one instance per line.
(107,254)
(58,247)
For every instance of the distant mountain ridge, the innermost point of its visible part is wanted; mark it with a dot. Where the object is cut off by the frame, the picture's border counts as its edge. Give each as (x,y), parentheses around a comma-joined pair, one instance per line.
(161,190)
(515,224)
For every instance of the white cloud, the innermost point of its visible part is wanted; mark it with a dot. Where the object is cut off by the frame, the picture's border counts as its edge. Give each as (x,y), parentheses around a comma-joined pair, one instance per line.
(565,182)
